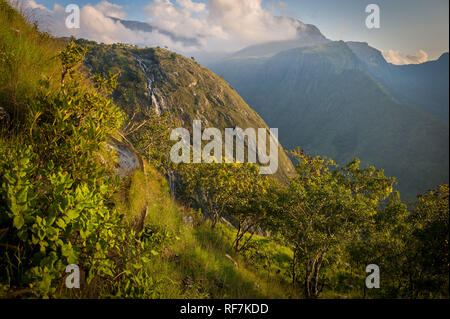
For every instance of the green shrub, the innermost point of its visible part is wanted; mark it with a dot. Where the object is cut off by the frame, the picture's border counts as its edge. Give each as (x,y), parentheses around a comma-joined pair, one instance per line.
(56,199)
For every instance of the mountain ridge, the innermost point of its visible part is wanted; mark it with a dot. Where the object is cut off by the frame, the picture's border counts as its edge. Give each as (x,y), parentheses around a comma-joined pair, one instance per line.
(325,99)
(424,86)
(146,27)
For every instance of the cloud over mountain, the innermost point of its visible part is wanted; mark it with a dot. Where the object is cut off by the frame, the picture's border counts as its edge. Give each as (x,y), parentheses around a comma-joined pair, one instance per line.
(233,22)
(398,58)
(214,25)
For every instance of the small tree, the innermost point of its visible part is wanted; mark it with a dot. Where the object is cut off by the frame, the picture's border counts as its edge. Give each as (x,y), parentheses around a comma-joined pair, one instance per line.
(211,186)
(428,248)
(150,135)
(236,191)
(250,207)
(324,209)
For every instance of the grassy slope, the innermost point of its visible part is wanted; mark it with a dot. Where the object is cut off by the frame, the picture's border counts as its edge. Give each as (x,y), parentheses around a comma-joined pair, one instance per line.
(194,262)
(26,56)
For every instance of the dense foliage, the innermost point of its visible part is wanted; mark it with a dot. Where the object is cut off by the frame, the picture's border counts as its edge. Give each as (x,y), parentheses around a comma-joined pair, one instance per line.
(55,196)
(336,220)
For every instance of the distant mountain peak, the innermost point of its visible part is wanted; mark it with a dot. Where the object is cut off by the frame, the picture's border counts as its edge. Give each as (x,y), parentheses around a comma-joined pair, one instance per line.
(309,29)
(303,28)
(146,27)
(367,54)
(307,35)
(444,56)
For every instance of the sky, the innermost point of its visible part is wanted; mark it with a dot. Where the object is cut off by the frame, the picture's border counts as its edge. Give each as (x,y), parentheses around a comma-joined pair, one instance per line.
(411,31)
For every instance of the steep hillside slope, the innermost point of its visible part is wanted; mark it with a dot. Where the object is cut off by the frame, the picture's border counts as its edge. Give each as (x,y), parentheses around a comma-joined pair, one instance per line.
(324,99)
(190,259)
(155,78)
(62,201)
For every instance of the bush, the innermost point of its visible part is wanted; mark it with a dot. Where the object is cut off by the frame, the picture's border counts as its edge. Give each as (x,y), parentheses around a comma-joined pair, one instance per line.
(56,198)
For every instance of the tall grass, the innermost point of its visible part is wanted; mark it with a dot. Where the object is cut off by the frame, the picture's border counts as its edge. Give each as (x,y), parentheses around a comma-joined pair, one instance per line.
(27,56)
(194,260)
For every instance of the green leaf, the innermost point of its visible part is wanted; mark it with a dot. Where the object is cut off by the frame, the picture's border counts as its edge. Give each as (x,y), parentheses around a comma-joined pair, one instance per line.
(154,252)
(60,222)
(18,221)
(72,214)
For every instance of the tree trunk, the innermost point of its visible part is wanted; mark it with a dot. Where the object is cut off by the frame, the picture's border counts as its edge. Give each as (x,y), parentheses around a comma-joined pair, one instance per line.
(308,274)
(294,262)
(316,277)
(238,238)
(214,221)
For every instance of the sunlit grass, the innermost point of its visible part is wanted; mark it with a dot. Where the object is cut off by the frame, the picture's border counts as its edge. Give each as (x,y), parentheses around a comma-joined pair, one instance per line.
(27,56)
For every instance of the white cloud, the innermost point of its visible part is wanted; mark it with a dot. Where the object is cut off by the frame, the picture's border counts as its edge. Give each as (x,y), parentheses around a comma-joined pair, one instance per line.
(184,18)
(192,6)
(111,10)
(223,24)
(398,58)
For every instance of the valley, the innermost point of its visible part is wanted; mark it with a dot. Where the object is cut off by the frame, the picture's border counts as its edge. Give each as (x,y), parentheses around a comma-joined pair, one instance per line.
(327,100)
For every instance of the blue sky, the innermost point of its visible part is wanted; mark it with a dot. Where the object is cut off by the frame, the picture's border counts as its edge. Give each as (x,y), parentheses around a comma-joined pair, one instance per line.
(406,25)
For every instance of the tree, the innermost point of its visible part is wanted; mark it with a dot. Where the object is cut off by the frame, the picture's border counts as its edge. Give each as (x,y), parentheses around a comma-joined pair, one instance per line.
(211,187)
(428,261)
(325,209)
(382,242)
(236,191)
(149,133)
(250,207)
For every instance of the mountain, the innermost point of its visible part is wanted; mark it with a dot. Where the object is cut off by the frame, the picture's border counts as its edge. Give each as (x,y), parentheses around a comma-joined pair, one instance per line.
(307,35)
(424,86)
(160,79)
(328,101)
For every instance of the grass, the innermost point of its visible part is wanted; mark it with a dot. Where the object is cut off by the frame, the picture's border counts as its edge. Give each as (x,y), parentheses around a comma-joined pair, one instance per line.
(196,261)
(27,56)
